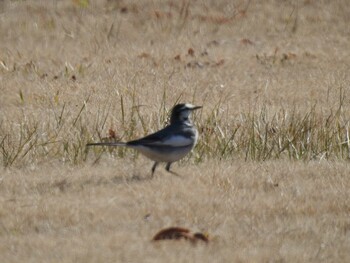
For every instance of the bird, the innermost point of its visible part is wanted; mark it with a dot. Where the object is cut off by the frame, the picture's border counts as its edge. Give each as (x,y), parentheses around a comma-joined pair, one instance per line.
(169,144)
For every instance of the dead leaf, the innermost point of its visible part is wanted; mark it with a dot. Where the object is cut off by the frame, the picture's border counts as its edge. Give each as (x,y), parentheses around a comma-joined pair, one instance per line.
(190,52)
(220,62)
(111,134)
(124,10)
(144,55)
(177,57)
(246,41)
(213,43)
(177,233)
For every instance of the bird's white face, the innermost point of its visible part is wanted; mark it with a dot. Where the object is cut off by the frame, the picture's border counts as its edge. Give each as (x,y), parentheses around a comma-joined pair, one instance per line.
(189,106)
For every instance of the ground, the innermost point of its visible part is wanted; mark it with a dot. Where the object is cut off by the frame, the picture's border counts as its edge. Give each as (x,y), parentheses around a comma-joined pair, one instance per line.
(269,179)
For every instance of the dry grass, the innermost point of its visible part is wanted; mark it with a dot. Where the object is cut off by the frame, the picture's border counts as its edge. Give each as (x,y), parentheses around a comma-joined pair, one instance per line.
(256,212)
(268,180)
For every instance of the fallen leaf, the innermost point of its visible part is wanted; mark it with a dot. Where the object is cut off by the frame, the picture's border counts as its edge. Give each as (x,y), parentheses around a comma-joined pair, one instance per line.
(144,55)
(220,62)
(246,41)
(111,134)
(177,233)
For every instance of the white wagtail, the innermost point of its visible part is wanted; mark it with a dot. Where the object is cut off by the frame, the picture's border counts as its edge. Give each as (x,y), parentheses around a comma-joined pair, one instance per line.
(170,144)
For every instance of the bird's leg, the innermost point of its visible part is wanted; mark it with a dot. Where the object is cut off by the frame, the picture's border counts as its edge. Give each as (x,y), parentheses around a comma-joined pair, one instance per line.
(167,167)
(154,167)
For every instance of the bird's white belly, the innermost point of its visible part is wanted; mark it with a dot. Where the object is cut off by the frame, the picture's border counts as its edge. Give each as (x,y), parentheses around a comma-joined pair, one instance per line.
(168,155)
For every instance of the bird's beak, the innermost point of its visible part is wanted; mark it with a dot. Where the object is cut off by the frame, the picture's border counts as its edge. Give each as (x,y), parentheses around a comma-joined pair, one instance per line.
(197,107)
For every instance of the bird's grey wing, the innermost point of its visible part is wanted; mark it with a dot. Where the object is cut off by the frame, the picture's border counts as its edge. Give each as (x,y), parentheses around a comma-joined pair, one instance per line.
(149,139)
(152,138)
(169,136)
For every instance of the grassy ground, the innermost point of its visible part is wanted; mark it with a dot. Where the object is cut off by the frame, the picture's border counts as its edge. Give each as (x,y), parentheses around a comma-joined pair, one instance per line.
(269,179)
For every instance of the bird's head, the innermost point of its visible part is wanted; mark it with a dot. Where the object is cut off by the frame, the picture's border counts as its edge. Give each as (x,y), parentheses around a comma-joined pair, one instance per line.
(182,112)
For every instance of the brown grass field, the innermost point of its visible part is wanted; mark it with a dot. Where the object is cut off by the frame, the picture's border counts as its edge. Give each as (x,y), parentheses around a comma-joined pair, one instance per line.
(269,180)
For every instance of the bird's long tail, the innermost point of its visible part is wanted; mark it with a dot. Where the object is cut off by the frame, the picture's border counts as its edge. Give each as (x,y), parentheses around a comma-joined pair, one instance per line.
(107,144)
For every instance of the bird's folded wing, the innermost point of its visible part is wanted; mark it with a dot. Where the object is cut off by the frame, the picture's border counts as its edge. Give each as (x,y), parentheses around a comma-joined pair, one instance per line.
(162,139)
(173,141)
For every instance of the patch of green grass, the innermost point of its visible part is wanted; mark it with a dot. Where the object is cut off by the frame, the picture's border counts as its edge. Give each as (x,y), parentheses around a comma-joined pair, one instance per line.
(262,135)
(255,135)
